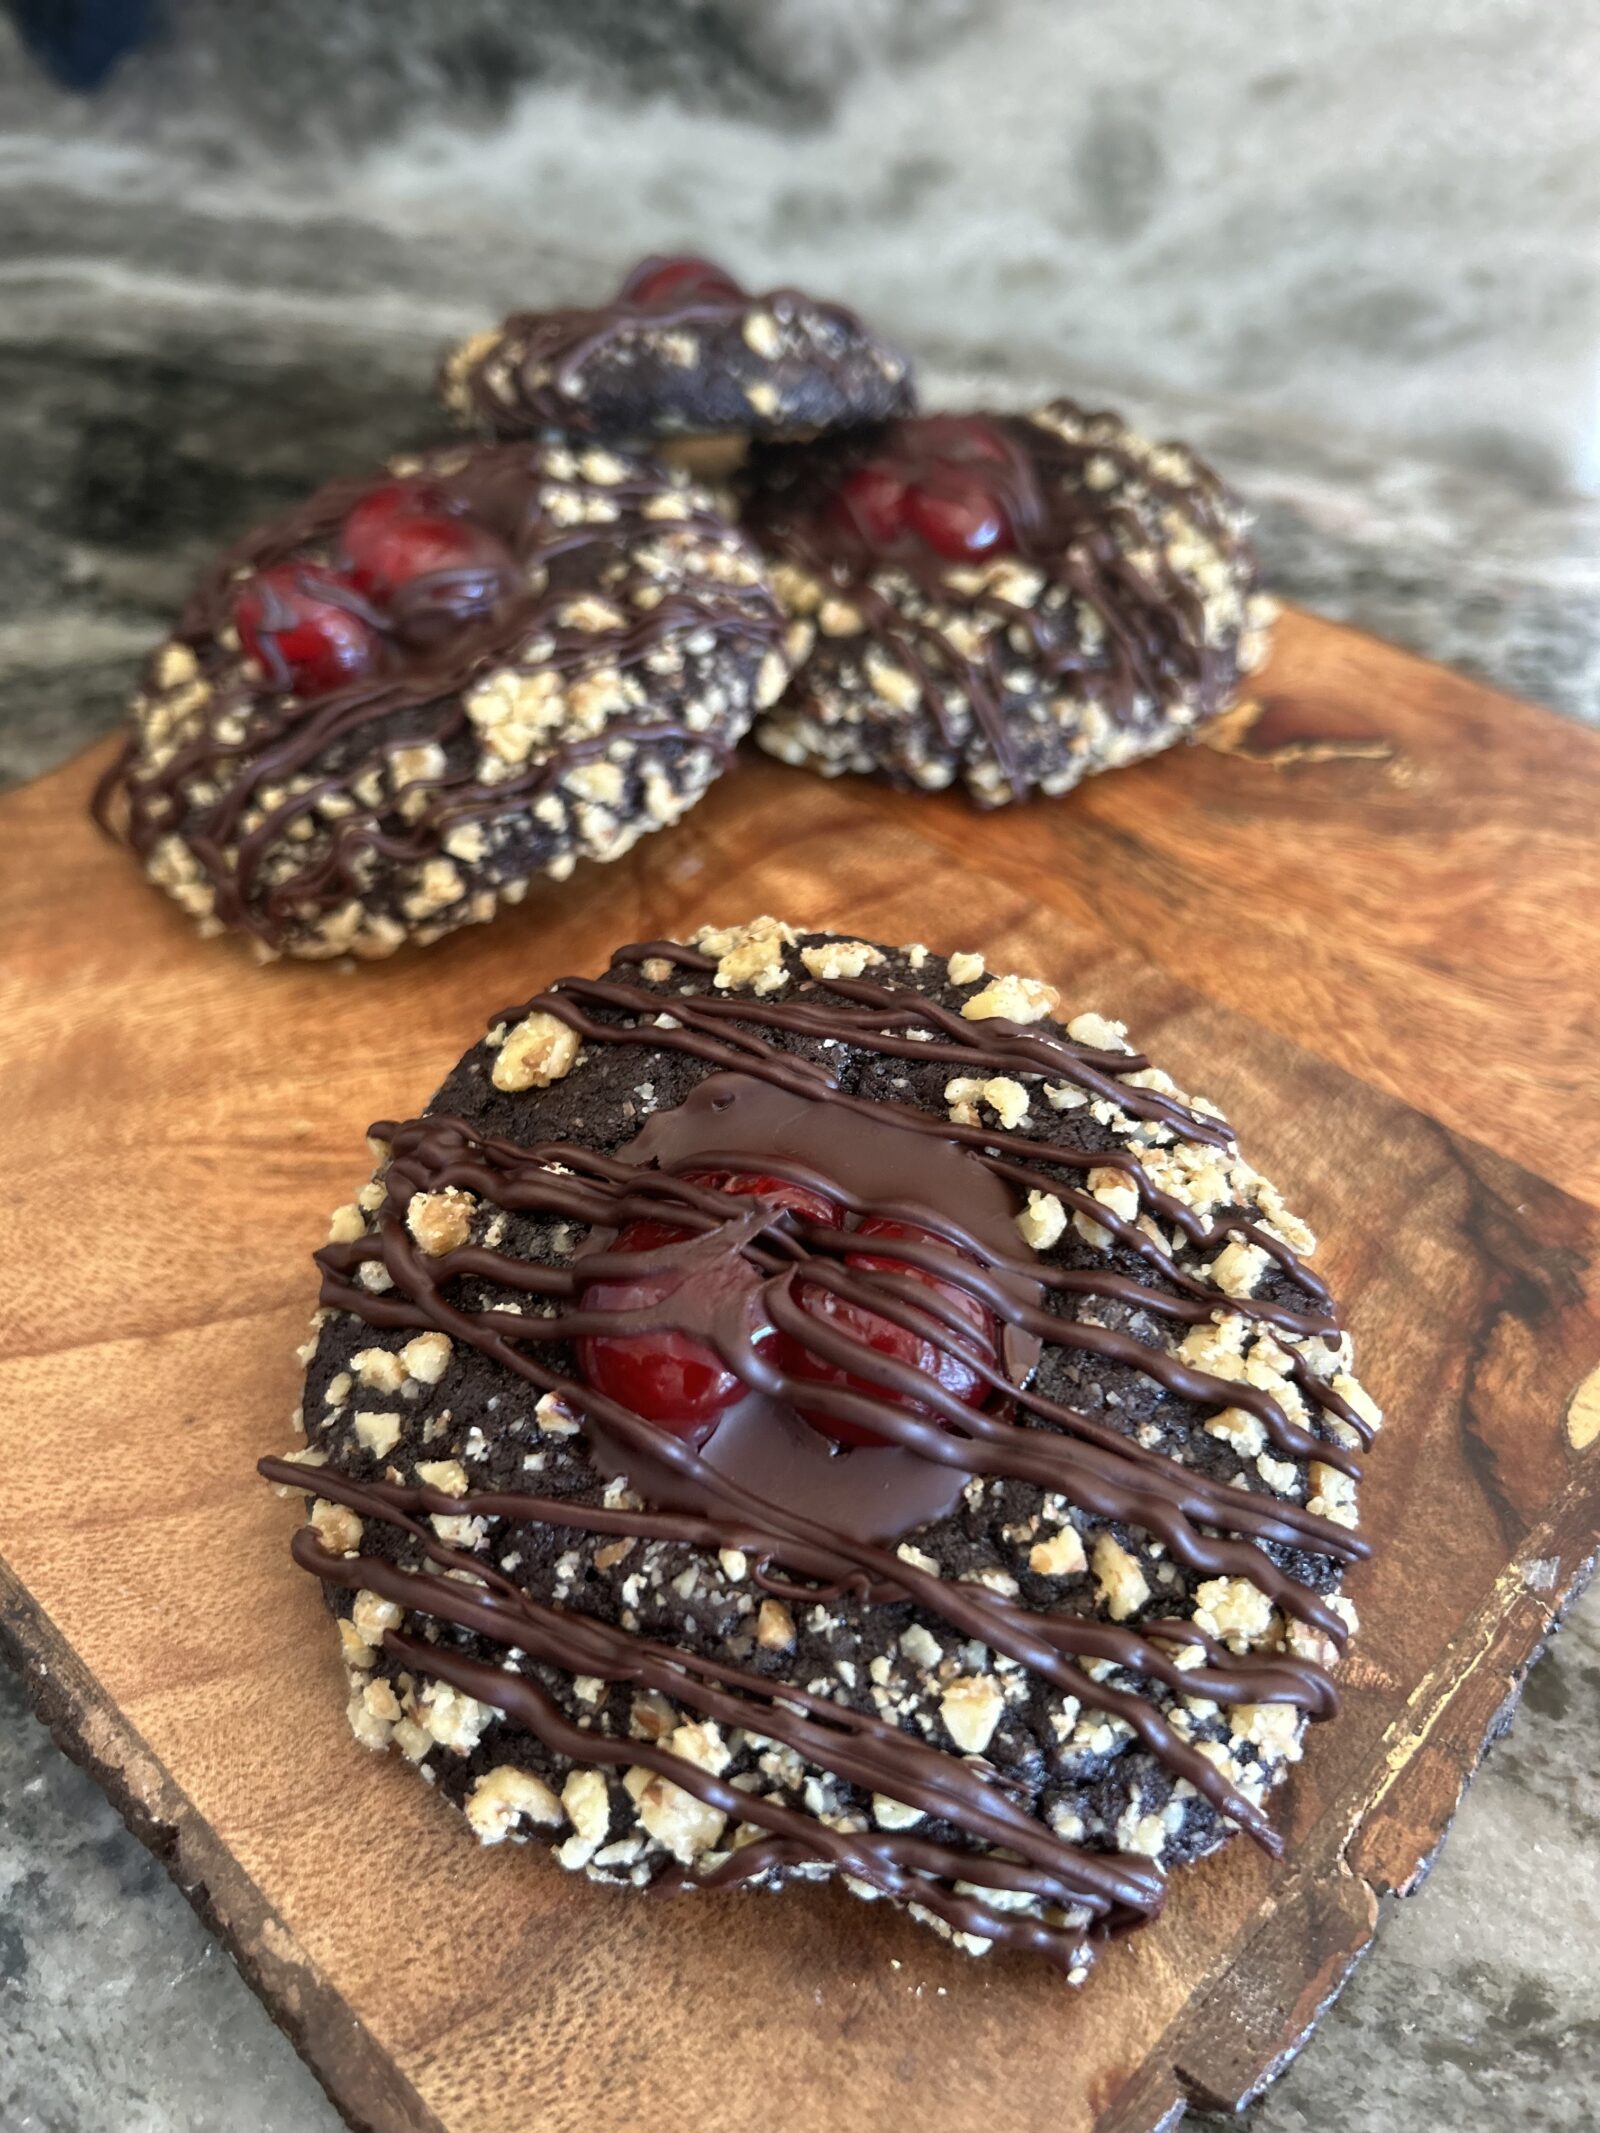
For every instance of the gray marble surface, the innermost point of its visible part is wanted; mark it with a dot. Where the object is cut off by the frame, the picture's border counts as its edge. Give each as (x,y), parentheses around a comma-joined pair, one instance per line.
(1350,251)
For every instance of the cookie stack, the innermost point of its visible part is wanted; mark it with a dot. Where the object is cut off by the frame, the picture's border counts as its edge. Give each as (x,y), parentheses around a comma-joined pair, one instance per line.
(792,1406)
(383,716)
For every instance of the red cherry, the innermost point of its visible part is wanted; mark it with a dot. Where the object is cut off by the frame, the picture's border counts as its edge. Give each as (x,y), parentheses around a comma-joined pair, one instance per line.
(871,504)
(957,519)
(397,550)
(799,1200)
(373,513)
(665,281)
(298,622)
(669,1378)
(941,1360)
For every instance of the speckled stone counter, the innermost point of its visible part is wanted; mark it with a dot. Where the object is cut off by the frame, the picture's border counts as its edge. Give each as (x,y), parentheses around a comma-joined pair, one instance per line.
(182,352)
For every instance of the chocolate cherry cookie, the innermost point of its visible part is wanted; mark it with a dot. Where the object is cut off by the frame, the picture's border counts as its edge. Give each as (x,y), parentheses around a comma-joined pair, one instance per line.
(792,1407)
(1011,601)
(379,718)
(681,350)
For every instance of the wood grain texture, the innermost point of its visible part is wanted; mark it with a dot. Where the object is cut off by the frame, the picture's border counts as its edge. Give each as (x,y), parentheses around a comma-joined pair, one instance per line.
(1366,922)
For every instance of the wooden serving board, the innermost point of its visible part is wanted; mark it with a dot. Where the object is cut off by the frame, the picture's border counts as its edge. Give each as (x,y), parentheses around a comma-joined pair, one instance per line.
(1366,921)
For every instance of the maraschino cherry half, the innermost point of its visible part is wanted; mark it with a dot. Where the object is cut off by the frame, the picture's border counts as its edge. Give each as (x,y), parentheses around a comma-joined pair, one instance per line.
(683,1386)
(409,562)
(656,284)
(937,484)
(944,1360)
(669,1378)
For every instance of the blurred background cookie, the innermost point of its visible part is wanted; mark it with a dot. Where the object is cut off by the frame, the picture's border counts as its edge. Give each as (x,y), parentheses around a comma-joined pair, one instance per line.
(380,717)
(680,351)
(1011,602)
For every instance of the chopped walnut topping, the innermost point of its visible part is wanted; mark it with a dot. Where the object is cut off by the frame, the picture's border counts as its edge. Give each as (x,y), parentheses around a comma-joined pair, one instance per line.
(1238,1267)
(1042,1220)
(455,1721)
(921,1647)
(588,1808)
(352,1649)
(1007,1099)
(1273,1728)
(427,1357)
(760,332)
(1123,1585)
(1016,999)
(378,1434)
(751,954)
(371,1615)
(965,967)
(540,1050)
(894,1814)
(774,1626)
(448,1476)
(685,1826)
(1333,1494)
(701,1743)
(337,1527)
(379,1369)
(369,1728)
(441,1221)
(971,1707)
(1061,1556)
(1097,1033)
(1234,1610)
(841,959)
(555,1417)
(891,681)
(505,1796)
(1238,1427)
(346,1224)
(1358,1399)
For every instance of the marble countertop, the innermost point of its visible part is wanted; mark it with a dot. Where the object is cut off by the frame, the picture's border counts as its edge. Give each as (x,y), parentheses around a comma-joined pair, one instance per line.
(183,348)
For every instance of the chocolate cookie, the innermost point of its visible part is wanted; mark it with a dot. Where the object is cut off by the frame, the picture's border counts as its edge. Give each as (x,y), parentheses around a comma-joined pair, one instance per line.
(381,717)
(1012,601)
(790,1407)
(680,351)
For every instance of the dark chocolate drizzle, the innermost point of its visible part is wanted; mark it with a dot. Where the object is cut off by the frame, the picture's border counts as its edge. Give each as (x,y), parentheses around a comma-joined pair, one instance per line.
(765,1110)
(554,345)
(1154,646)
(448,631)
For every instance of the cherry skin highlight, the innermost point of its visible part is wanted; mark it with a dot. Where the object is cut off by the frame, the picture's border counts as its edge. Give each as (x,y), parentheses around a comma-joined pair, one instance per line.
(669,1378)
(398,550)
(957,520)
(372,514)
(670,280)
(941,1360)
(298,622)
(935,488)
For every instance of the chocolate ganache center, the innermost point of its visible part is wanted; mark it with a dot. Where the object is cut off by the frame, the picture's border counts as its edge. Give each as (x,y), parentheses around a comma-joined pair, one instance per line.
(868,1165)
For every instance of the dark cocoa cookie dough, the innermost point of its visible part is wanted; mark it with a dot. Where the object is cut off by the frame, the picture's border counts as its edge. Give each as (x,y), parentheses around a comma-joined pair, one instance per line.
(1059,1627)
(1009,601)
(680,351)
(380,718)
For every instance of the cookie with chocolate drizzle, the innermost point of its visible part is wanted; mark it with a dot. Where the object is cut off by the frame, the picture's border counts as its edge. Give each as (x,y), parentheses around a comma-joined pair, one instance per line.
(680,351)
(1007,601)
(791,1407)
(383,716)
